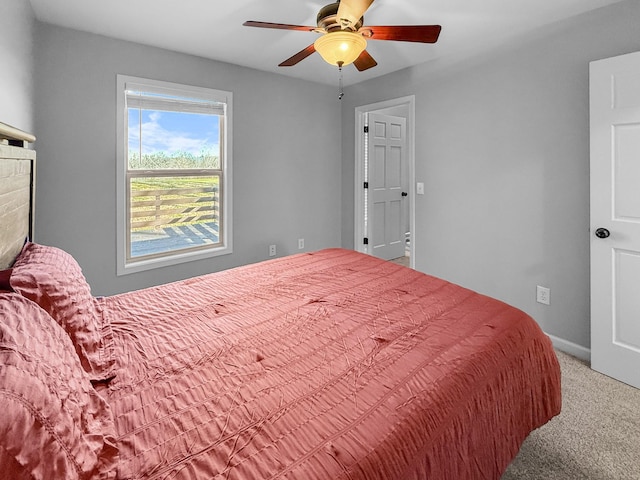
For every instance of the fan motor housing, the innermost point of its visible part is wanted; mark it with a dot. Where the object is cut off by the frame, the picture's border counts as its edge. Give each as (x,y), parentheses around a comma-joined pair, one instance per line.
(328,19)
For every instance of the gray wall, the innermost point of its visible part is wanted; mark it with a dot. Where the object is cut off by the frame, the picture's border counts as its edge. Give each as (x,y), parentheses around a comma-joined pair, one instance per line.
(502,144)
(16,64)
(286,154)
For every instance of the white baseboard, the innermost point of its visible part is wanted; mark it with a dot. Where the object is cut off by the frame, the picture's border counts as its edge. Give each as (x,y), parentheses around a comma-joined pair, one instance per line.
(571,348)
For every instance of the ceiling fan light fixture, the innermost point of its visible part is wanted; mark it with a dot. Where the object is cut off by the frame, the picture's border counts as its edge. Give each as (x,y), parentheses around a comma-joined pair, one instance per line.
(340,48)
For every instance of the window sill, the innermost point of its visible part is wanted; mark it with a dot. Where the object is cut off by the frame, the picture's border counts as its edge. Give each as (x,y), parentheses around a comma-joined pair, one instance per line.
(136,266)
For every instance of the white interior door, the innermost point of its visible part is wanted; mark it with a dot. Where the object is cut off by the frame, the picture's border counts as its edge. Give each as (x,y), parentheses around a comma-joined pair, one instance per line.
(615,217)
(387,186)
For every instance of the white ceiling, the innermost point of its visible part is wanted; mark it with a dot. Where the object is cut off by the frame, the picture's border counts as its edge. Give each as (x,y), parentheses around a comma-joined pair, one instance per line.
(213,28)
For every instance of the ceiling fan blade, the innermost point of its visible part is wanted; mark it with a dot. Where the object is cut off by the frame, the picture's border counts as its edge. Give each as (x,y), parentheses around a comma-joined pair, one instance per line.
(403,33)
(301,55)
(279,26)
(364,61)
(350,11)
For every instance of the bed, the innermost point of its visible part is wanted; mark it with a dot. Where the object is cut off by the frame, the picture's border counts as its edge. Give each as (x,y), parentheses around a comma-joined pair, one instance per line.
(322,365)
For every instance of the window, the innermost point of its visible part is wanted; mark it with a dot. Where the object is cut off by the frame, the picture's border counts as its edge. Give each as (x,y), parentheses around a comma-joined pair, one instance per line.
(174,173)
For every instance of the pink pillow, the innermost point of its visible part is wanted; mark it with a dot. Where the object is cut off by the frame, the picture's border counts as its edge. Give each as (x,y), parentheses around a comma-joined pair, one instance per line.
(53,423)
(54,280)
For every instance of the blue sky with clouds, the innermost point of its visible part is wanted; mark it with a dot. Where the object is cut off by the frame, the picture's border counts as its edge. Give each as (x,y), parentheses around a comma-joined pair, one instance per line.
(172,132)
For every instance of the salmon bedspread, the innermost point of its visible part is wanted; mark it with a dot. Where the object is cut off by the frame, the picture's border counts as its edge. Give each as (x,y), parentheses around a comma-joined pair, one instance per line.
(325,365)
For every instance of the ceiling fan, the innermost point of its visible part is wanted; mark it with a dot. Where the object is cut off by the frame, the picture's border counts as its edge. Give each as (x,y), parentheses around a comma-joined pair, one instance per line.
(344,35)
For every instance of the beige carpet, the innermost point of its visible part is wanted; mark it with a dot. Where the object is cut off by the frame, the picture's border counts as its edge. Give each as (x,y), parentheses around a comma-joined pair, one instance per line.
(402,261)
(597,435)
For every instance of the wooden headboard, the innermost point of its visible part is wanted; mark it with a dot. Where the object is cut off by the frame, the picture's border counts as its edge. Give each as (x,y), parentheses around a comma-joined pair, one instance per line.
(17,192)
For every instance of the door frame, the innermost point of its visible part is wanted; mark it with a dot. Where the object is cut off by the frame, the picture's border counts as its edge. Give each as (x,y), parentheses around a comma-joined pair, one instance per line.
(408,103)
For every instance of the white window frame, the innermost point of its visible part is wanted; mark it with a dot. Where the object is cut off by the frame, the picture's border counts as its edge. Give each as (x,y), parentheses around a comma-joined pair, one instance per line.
(124,83)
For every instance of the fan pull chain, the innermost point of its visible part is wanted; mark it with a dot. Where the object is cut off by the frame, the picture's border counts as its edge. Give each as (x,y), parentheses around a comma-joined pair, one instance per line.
(341,92)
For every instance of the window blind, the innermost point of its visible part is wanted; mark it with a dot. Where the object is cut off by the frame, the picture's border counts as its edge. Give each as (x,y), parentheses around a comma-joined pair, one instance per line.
(151,101)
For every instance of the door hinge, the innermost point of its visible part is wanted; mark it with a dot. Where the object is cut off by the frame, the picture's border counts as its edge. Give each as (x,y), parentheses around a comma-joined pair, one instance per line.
(366,129)
(365,241)
(366,184)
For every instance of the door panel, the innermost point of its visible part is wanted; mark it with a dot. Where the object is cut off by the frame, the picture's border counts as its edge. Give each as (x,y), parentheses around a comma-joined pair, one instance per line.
(378,177)
(615,206)
(626,329)
(394,168)
(627,172)
(387,178)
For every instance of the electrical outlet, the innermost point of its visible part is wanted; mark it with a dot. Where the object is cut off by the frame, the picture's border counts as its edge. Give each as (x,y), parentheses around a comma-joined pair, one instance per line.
(272,250)
(543,295)
(300,243)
